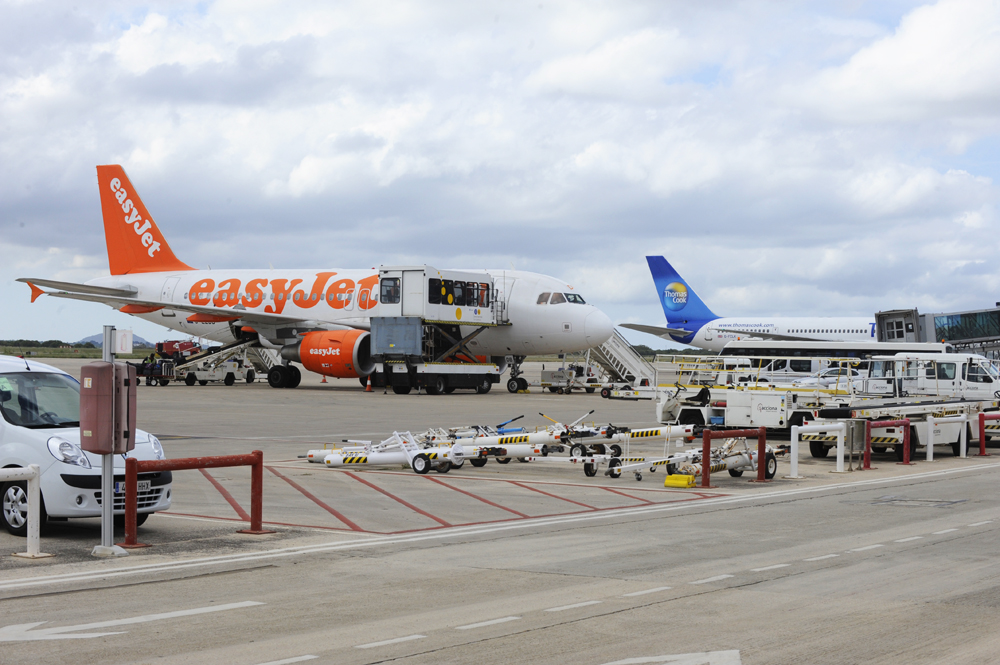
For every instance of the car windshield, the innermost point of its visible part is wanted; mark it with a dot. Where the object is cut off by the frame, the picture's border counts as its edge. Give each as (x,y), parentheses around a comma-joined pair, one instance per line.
(39,400)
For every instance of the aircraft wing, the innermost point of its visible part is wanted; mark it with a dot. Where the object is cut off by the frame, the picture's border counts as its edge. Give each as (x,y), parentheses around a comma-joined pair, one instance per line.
(247,317)
(656,330)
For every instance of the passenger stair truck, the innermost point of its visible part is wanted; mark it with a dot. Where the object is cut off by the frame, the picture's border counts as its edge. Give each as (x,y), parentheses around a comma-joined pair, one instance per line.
(426,319)
(624,365)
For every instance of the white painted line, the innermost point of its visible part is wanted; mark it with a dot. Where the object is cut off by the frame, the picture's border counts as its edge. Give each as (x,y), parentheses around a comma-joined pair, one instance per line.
(820,558)
(775,566)
(574,606)
(645,591)
(287,661)
(981,523)
(711,579)
(938,533)
(481,624)
(101,571)
(372,645)
(865,548)
(906,540)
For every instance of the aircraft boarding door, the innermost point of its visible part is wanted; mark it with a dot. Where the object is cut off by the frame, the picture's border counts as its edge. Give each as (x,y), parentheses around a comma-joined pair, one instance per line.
(708,334)
(389,294)
(413,293)
(167,295)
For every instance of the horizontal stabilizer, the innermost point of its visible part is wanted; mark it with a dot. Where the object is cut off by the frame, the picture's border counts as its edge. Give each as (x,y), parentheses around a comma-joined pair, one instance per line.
(80,288)
(659,331)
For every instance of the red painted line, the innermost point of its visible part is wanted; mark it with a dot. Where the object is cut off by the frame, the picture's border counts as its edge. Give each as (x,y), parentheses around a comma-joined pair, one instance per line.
(626,495)
(311,497)
(474,496)
(396,498)
(533,489)
(226,495)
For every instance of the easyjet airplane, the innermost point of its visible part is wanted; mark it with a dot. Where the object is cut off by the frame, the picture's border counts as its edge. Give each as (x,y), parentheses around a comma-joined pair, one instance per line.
(319,317)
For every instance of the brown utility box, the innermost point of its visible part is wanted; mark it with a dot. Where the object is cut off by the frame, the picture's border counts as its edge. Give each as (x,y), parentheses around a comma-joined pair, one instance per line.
(107,407)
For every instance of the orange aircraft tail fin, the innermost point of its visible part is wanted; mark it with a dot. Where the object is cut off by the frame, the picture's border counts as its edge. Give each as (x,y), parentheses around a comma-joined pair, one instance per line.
(135,243)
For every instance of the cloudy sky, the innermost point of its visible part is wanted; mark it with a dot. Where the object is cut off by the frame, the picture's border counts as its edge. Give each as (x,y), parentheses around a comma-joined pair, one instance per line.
(786,157)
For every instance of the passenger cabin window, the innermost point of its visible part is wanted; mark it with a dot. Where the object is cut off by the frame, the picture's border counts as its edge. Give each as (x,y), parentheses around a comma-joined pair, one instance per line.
(448,297)
(484,295)
(435,291)
(574,298)
(543,299)
(557,298)
(459,290)
(800,365)
(390,291)
(472,294)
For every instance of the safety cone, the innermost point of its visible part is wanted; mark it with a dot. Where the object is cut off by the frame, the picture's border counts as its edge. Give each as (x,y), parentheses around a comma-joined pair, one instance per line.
(324,379)
(368,386)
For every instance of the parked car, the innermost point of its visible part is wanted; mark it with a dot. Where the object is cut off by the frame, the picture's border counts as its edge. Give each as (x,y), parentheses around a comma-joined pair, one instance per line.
(835,377)
(40,406)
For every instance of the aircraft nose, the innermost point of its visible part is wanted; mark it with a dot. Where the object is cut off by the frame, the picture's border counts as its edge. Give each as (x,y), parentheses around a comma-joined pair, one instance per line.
(597,328)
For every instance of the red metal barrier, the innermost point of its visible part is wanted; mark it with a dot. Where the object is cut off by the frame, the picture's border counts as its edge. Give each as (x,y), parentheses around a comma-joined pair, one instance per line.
(983,417)
(878,424)
(706,450)
(134,467)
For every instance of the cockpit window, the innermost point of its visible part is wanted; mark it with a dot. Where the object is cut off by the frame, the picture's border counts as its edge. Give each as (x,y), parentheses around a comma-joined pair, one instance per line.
(574,298)
(543,299)
(557,298)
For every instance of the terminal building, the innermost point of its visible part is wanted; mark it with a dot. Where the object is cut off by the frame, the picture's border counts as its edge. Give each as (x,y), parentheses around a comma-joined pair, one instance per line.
(976,330)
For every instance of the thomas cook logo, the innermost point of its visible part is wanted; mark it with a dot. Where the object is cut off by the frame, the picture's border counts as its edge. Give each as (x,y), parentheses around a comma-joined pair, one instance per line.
(675,296)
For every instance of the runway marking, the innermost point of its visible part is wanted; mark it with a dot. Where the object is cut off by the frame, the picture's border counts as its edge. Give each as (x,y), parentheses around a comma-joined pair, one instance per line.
(573,606)
(820,558)
(475,496)
(707,580)
(865,548)
(311,497)
(938,533)
(534,489)
(372,645)
(483,624)
(982,523)
(906,540)
(645,591)
(288,661)
(110,569)
(393,496)
(226,495)
(774,567)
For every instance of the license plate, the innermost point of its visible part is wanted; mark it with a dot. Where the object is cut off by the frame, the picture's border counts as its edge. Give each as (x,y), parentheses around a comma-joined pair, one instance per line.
(141,486)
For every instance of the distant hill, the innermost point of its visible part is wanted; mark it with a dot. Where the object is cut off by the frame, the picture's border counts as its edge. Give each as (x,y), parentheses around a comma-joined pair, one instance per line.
(98,341)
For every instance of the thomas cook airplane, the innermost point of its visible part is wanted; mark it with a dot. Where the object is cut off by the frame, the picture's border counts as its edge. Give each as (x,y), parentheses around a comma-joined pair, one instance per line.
(691,322)
(319,318)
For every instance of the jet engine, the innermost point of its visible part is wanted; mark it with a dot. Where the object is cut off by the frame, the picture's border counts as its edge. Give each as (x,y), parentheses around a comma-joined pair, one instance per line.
(345,354)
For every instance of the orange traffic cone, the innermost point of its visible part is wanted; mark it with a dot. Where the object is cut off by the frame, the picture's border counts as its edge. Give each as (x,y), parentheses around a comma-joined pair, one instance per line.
(368,386)
(324,379)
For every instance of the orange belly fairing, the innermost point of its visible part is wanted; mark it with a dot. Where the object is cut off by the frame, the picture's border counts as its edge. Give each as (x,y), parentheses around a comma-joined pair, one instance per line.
(339,353)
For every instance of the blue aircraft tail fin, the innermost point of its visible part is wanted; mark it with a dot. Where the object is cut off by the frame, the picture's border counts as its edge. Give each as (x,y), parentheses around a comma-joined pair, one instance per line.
(680,302)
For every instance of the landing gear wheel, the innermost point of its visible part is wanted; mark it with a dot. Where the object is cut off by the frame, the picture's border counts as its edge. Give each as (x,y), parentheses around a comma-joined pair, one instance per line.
(503,460)
(605,392)
(513,386)
(616,450)
(478,462)
(484,387)
(401,390)
(443,467)
(421,464)
(277,376)
(203,383)
(15,508)
(190,379)
(818,449)
(230,379)
(590,470)
(770,466)
(577,450)
(294,378)
(522,384)
(613,470)
(736,473)
(251,376)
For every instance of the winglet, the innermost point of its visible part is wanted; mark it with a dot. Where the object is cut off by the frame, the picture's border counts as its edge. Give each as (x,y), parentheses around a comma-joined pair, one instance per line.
(35,291)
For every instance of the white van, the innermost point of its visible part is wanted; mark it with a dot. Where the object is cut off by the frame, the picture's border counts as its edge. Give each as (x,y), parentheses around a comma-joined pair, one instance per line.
(40,424)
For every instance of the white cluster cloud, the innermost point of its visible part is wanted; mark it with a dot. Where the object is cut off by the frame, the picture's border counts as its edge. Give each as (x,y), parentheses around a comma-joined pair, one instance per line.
(786,158)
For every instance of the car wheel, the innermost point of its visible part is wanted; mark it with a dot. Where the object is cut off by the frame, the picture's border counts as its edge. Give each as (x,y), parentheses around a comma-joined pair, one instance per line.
(251,375)
(203,383)
(484,387)
(190,379)
(230,379)
(15,508)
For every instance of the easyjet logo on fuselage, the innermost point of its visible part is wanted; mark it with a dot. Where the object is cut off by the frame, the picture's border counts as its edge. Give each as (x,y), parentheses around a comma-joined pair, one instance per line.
(339,294)
(141,227)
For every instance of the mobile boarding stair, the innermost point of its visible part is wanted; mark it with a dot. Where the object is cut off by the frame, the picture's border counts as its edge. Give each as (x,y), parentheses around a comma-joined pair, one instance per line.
(625,366)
